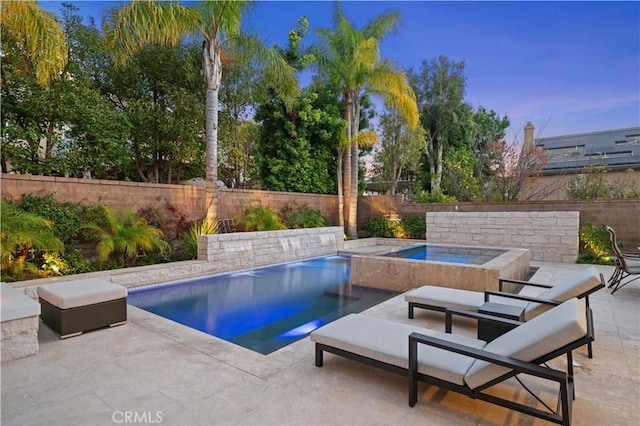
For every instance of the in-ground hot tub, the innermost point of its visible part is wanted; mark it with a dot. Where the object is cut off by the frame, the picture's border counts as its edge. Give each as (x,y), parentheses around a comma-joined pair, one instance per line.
(469,268)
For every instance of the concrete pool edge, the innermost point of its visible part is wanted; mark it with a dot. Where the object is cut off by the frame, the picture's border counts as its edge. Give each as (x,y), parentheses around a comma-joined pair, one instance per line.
(401,275)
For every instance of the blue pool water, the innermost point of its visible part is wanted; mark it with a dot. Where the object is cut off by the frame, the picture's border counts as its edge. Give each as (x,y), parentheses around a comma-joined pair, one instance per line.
(450,254)
(262,309)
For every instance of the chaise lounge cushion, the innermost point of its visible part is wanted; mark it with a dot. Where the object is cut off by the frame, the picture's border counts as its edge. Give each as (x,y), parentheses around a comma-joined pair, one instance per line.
(86,292)
(575,286)
(558,327)
(387,342)
(453,298)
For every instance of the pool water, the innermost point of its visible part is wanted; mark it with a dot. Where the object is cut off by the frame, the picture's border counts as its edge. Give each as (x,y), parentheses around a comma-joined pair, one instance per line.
(263,309)
(450,254)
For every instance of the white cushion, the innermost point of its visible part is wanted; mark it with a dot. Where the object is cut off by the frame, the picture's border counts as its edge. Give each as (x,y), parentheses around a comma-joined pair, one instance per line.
(388,342)
(549,331)
(446,297)
(574,286)
(454,298)
(81,293)
(16,305)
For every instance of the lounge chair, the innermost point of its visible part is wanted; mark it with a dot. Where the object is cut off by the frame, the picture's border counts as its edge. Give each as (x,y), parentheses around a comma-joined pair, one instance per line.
(627,264)
(466,365)
(580,285)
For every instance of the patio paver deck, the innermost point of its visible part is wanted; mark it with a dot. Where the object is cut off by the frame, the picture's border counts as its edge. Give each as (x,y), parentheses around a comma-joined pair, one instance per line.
(165,373)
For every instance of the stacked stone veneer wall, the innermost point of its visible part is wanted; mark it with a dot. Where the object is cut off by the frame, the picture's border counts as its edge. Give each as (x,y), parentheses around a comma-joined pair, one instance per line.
(243,250)
(551,236)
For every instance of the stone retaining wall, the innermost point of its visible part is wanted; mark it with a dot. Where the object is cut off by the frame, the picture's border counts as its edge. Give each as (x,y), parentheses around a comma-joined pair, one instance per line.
(551,236)
(242,250)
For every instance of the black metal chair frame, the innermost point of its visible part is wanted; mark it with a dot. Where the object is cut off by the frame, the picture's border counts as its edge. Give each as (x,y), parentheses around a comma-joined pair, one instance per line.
(622,270)
(566,391)
(488,293)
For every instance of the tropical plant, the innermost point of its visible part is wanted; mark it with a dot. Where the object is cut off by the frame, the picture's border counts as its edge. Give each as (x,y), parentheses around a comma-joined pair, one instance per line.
(350,58)
(23,234)
(140,23)
(126,235)
(260,218)
(189,240)
(38,36)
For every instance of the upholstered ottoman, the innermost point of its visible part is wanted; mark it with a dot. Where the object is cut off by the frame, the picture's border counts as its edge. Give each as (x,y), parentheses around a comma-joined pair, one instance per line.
(74,307)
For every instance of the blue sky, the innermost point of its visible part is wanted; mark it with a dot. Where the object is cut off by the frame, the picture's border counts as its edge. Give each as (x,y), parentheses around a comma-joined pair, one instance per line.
(568,67)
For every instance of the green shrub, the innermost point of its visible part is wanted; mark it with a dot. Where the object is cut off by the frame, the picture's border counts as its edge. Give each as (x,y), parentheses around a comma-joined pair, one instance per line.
(302,217)
(596,243)
(414,226)
(378,226)
(436,197)
(69,219)
(259,218)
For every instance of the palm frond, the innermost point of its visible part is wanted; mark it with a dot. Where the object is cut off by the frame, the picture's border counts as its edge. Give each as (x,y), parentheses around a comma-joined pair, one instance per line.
(39,35)
(142,22)
(223,18)
(393,87)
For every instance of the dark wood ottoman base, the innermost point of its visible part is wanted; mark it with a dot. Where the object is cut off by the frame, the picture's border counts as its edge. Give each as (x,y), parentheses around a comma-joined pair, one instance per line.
(73,321)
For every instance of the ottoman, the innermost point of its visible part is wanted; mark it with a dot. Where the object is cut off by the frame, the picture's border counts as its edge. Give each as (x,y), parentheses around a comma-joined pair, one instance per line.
(74,307)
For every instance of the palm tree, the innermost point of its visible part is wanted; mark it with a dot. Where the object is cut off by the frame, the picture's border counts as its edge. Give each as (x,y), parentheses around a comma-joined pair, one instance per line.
(351,59)
(218,24)
(125,235)
(38,36)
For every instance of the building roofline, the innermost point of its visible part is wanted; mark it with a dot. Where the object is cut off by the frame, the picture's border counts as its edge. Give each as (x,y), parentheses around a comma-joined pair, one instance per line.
(624,129)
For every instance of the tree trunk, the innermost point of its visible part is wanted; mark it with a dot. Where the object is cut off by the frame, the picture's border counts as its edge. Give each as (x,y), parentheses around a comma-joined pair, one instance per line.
(439,167)
(340,192)
(352,196)
(212,75)
(346,163)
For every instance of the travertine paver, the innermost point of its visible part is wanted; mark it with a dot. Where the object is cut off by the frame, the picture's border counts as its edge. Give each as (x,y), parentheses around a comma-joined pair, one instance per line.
(164,373)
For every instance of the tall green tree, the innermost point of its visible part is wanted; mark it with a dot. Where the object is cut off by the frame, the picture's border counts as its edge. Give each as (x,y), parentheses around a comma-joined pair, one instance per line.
(400,148)
(296,147)
(218,25)
(239,95)
(439,85)
(350,58)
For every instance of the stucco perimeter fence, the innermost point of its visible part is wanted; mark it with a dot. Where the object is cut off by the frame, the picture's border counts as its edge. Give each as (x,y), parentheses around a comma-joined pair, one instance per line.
(551,236)
(622,215)
(173,201)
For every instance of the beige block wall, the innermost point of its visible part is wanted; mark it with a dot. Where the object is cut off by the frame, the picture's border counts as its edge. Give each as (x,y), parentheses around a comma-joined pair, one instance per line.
(551,236)
(172,201)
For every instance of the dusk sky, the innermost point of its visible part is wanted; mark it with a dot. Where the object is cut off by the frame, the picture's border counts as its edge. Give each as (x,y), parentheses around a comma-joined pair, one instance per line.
(568,67)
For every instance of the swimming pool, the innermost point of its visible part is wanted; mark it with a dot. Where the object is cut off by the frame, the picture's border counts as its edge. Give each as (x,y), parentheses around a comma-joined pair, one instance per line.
(263,309)
(451,254)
